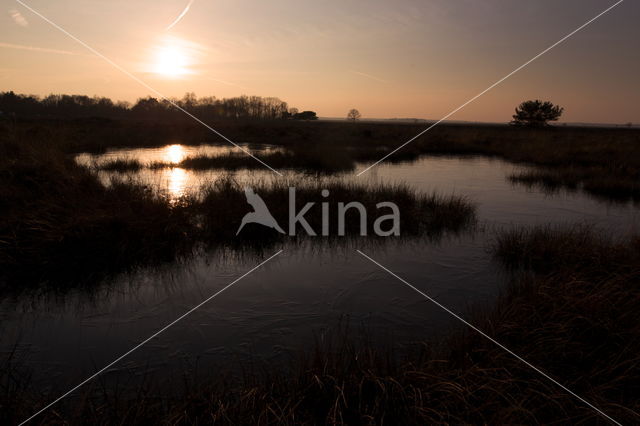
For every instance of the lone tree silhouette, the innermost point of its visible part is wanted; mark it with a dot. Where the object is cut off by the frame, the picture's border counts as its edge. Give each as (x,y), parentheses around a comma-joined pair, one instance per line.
(536,113)
(354,115)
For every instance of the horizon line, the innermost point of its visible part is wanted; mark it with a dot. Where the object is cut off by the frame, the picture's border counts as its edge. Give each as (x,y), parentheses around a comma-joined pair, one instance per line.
(337,118)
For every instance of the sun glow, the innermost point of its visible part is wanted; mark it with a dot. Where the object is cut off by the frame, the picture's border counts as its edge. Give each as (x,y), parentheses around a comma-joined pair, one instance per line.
(172,60)
(172,57)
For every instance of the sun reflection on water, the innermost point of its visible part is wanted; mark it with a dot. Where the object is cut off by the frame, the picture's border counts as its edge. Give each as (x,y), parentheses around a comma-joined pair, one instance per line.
(163,172)
(174,154)
(176,182)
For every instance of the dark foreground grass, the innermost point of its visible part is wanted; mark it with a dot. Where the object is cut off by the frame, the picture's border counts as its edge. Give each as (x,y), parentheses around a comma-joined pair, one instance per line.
(573,312)
(59,223)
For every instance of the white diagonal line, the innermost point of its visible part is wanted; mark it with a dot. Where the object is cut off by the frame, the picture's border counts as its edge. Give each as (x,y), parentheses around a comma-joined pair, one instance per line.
(190,311)
(563,39)
(121,69)
(482,333)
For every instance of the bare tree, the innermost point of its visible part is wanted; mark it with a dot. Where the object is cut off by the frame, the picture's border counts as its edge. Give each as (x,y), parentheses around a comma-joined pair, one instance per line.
(354,115)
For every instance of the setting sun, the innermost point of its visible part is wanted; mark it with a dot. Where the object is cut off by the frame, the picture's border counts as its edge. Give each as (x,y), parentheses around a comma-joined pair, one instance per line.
(171,60)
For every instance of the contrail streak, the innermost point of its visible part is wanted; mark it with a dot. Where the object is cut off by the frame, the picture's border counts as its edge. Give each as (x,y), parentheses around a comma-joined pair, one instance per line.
(373,77)
(179,18)
(36,49)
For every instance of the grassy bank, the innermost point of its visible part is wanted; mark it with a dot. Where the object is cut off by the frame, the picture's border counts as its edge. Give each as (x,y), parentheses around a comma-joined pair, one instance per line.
(421,214)
(60,224)
(598,181)
(572,310)
(291,160)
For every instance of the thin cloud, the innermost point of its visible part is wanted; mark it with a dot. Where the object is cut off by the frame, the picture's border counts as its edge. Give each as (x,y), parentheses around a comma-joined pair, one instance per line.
(179,18)
(372,77)
(36,49)
(18,18)
(228,83)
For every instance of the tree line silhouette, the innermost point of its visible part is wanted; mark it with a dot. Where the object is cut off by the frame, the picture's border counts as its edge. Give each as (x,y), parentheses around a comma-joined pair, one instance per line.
(149,108)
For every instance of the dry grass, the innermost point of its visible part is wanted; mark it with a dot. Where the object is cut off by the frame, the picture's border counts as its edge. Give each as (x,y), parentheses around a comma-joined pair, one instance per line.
(596,180)
(60,225)
(291,160)
(420,214)
(121,165)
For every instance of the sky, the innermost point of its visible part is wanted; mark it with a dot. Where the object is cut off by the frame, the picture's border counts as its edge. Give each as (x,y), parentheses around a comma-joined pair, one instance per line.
(388,59)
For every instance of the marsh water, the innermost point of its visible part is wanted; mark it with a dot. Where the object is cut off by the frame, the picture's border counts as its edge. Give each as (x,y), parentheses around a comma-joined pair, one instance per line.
(282,307)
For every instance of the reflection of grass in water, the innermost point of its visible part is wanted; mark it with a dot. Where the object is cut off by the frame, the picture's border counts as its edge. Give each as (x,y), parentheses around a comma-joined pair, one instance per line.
(61,226)
(572,310)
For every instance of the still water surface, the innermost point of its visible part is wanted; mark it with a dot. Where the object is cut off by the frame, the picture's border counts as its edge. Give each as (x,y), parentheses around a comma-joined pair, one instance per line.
(283,306)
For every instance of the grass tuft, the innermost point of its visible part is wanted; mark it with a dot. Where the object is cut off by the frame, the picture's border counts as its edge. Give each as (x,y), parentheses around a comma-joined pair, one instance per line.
(121,165)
